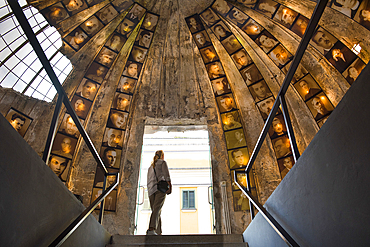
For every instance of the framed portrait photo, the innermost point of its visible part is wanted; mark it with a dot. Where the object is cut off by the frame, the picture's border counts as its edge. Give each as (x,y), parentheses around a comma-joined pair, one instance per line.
(19,121)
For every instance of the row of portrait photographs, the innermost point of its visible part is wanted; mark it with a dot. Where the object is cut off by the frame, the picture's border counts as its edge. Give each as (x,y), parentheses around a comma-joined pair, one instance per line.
(109,202)
(241,202)
(19,121)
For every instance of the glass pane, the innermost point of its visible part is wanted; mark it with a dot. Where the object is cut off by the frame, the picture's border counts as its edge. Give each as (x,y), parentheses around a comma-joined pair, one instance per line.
(19,69)
(185,200)
(38,95)
(13,61)
(28,75)
(6,52)
(3,72)
(43,87)
(6,25)
(52,92)
(20,86)
(29,91)
(12,35)
(191,199)
(9,80)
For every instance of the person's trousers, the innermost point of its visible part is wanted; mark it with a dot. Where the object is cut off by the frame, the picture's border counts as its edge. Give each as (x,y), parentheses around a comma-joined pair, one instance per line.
(156,203)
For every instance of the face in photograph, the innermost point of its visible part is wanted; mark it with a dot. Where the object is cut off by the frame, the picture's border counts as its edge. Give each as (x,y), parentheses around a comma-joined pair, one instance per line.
(280,56)
(260,91)
(300,25)
(55,13)
(64,145)
(117,119)
(106,57)
(96,72)
(265,106)
(132,69)
(282,147)
(92,26)
(248,3)
(221,6)
(300,72)
(87,89)
(116,42)
(238,158)
(209,54)
(58,164)
(126,28)
(122,102)
(81,106)
(354,70)
(194,24)
(277,128)
(307,87)
(221,86)
(113,138)
(267,7)
(150,21)
(285,16)
(231,120)
(209,17)
(77,38)
(231,44)
(251,74)
(138,54)
(122,5)
(340,57)
(18,121)
(241,202)
(144,38)
(75,6)
(107,14)
(111,157)
(235,139)
(241,58)
(69,127)
(202,39)
(99,177)
(320,106)
(237,17)
(226,103)
(126,85)
(136,13)
(363,15)
(285,165)
(252,28)
(323,41)
(347,7)
(266,41)
(110,199)
(215,70)
(221,31)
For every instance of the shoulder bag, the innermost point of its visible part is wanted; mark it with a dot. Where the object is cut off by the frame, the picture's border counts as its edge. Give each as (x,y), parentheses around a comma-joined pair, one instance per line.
(162,185)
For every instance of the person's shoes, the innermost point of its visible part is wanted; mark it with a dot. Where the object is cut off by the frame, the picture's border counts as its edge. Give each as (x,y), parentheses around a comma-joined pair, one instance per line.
(152,232)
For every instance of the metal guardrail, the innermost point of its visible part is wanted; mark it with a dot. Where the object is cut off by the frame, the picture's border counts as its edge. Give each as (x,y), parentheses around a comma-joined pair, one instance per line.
(280,101)
(63,98)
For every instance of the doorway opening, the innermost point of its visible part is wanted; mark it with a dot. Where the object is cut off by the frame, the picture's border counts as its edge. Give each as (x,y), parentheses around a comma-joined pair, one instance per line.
(189,208)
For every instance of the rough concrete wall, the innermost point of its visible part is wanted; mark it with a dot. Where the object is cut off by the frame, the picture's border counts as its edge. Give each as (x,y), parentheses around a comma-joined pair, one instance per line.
(39,110)
(324,199)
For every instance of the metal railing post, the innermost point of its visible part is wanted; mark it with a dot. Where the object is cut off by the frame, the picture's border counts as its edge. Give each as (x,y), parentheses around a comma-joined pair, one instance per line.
(288,123)
(101,211)
(53,129)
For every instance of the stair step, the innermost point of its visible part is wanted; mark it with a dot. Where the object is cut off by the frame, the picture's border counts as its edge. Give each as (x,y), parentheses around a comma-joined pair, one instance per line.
(181,245)
(215,240)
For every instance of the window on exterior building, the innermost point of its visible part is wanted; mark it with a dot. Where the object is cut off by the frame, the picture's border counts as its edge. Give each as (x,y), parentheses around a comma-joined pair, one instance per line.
(20,67)
(188,199)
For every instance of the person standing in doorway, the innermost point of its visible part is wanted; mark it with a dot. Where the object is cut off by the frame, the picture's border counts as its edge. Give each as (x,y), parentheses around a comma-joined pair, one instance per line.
(158,171)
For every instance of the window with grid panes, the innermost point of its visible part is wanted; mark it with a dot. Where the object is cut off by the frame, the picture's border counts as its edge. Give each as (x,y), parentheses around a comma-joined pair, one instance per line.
(188,199)
(20,68)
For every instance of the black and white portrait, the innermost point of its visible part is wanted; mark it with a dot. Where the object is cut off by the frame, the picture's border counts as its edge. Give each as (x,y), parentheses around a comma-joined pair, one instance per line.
(19,121)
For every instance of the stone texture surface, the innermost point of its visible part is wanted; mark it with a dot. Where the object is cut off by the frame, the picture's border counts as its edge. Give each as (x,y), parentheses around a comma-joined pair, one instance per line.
(175,89)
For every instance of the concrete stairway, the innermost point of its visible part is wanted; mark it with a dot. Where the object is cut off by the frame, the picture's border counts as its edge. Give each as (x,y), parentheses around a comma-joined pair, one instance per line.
(229,240)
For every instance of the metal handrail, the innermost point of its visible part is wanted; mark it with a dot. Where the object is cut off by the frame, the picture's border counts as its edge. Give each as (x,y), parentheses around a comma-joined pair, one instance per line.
(280,101)
(78,221)
(63,97)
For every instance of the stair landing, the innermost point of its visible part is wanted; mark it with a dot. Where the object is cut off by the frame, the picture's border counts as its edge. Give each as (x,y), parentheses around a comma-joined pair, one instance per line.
(214,240)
